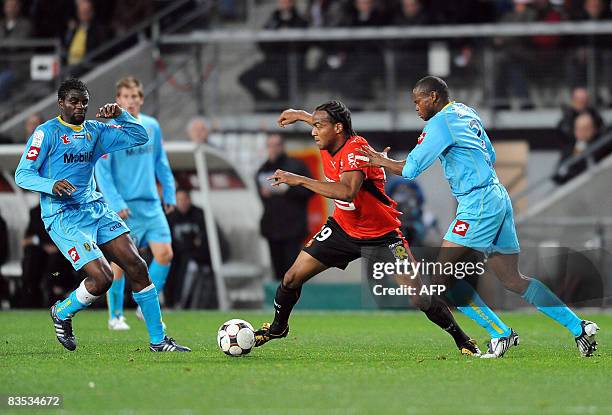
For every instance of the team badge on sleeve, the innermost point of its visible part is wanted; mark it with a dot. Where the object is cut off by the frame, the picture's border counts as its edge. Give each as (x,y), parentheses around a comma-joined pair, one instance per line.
(421,138)
(461,227)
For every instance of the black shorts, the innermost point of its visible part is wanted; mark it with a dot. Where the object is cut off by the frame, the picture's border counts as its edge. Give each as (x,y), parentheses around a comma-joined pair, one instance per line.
(335,248)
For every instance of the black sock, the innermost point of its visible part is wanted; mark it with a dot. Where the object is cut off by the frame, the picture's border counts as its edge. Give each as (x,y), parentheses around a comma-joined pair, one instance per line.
(440,314)
(284,301)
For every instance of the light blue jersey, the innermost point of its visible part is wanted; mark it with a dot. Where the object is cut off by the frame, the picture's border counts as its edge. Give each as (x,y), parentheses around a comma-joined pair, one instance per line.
(456,137)
(127,180)
(58,150)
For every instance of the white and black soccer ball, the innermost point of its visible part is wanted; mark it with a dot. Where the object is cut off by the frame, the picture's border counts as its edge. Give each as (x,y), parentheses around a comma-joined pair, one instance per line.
(236,337)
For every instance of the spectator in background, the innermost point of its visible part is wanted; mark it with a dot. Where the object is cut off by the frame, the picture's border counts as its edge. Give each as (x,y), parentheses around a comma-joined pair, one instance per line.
(275,64)
(581,47)
(50,18)
(191,274)
(284,223)
(197,130)
(83,36)
(47,275)
(411,55)
(586,134)
(13,65)
(127,15)
(325,13)
(579,103)
(513,60)
(31,122)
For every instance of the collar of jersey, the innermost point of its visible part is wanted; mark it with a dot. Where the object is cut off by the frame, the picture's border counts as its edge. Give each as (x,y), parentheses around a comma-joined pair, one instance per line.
(447,105)
(75,128)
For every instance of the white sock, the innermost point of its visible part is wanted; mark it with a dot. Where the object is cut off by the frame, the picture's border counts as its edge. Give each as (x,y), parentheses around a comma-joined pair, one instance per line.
(145,289)
(84,296)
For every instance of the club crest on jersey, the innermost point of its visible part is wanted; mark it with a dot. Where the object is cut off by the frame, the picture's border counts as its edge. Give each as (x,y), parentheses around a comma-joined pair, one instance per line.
(461,228)
(74,255)
(399,250)
(421,138)
(65,139)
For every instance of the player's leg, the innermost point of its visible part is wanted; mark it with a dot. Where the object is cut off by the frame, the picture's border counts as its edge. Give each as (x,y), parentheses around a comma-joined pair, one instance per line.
(122,251)
(396,249)
(160,266)
(115,298)
(505,266)
(98,280)
(465,297)
(287,296)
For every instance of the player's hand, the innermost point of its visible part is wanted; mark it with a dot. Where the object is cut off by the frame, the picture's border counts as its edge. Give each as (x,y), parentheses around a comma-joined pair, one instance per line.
(124,213)
(288,117)
(168,208)
(281,176)
(63,187)
(109,111)
(375,158)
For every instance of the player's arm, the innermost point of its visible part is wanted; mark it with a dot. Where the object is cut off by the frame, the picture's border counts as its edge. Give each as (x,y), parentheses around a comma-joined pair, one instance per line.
(380,159)
(291,116)
(346,189)
(106,182)
(27,175)
(125,133)
(434,140)
(163,172)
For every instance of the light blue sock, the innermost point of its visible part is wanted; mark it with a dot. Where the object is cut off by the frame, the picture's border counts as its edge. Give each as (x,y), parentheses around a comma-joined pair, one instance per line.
(115,297)
(159,274)
(548,303)
(468,301)
(149,305)
(76,301)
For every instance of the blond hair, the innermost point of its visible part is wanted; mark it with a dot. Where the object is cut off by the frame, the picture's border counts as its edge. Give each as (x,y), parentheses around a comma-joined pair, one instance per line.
(129,82)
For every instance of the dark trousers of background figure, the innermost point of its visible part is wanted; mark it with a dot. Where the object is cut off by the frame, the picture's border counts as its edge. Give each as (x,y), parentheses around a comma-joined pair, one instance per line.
(283,253)
(46,278)
(191,285)
(270,69)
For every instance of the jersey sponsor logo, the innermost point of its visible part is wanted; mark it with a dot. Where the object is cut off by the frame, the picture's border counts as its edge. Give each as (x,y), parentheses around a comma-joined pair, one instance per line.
(461,227)
(37,138)
(351,160)
(78,158)
(74,255)
(33,153)
(421,138)
(137,151)
(115,126)
(78,136)
(115,227)
(65,139)
(341,204)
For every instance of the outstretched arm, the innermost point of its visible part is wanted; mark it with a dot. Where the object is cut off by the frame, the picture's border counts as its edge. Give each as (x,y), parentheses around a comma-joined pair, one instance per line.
(346,189)
(126,133)
(291,116)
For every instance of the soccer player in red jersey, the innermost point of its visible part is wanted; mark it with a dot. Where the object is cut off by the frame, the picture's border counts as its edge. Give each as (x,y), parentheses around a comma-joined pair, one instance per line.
(364,223)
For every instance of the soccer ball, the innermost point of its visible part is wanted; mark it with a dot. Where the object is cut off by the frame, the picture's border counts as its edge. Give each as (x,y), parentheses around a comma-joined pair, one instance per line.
(236,337)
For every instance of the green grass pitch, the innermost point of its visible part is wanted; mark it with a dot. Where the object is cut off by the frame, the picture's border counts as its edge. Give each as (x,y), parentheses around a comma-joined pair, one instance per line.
(331,363)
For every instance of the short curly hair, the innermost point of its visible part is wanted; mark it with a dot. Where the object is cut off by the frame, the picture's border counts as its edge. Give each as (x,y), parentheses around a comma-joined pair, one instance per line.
(71,84)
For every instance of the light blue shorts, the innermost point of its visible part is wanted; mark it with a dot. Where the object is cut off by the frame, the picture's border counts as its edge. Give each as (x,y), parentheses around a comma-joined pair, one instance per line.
(77,231)
(147,223)
(485,222)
